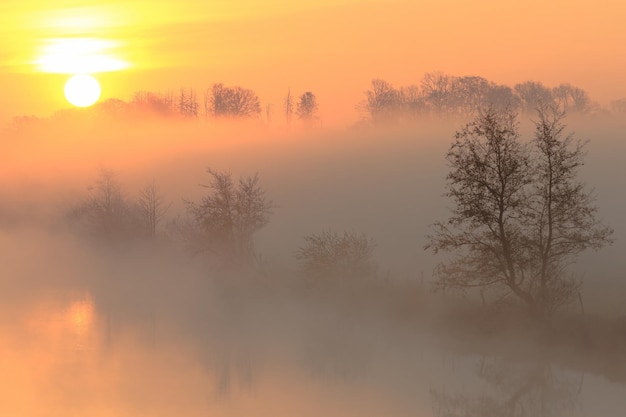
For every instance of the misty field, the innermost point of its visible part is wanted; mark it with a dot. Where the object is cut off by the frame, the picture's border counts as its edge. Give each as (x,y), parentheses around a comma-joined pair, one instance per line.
(137,325)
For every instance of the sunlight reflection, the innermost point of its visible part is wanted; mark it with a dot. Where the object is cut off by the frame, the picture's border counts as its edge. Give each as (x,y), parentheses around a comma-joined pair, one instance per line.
(80,315)
(80,323)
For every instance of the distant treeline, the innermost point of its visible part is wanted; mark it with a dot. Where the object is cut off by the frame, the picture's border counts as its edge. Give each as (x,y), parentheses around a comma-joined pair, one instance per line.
(440,94)
(436,95)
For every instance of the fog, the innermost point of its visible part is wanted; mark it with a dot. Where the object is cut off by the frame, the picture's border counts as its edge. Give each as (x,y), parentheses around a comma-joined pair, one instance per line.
(148,328)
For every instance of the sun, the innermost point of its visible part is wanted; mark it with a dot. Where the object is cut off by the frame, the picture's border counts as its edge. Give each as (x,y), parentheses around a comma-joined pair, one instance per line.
(82,90)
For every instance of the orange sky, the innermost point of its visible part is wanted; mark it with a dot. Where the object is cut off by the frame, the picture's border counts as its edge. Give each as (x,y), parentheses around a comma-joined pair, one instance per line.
(331,47)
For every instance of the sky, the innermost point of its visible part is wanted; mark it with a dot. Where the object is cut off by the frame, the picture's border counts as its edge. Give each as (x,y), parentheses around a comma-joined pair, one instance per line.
(331,47)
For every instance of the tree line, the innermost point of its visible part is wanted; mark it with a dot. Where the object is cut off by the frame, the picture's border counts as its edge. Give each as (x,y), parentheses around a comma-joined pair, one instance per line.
(439,94)
(435,96)
(217,102)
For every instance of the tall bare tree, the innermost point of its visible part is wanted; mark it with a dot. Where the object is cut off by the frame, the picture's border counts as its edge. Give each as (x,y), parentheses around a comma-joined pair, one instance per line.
(561,212)
(152,209)
(289,107)
(520,216)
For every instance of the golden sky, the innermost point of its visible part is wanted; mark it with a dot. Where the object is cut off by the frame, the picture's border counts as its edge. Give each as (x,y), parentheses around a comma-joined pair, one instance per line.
(331,47)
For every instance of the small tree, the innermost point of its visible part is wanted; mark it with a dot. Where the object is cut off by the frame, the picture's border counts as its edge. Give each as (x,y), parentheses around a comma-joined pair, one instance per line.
(288,106)
(532,94)
(520,216)
(188,103)
(233,102)
(307,107)
(382,103)
(330,255)
(106,213)
(225,221)
(151,208)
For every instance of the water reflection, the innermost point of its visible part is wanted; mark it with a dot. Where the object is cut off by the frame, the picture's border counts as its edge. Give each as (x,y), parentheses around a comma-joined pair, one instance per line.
(239,355)
(510,389)
(80,318)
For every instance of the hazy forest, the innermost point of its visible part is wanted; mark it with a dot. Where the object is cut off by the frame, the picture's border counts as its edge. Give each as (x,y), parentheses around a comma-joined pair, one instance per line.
(456,251)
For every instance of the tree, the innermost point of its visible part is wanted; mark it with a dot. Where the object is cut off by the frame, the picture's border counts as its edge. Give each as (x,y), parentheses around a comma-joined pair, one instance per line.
(288,105)
(151,103)
(520,216)
(330,255)
(437,88)
(382,102)
(106,213)
(233,102)
(151,208)
(571,99)
(413,104)
(187,103)
(225,221)
(532,94)
(307,107)
(561,212)
(618,107)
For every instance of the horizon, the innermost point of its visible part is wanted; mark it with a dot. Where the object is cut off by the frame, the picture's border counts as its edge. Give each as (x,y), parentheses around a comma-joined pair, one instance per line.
(331,48)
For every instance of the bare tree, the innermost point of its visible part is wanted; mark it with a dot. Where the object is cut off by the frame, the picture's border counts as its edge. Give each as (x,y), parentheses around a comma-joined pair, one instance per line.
(519,216)
(188,103)
(383,102)
(225,221)
(233,102)
(437,88)
(532,94)
(152,209)
(561,212)
(413,103)
(307,107)
(106,213)
(268,113)
(157,104)
(618,107)
(288,105)
(330,255)
(571,99)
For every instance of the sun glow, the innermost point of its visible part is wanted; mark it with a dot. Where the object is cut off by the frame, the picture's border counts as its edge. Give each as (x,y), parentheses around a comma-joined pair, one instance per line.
(79,55)
(82,90)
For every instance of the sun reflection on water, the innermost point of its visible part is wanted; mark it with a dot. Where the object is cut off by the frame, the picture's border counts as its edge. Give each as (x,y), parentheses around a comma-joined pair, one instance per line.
(80,318)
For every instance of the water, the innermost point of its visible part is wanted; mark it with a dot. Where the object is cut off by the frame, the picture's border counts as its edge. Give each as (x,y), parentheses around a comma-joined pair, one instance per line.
(63,355)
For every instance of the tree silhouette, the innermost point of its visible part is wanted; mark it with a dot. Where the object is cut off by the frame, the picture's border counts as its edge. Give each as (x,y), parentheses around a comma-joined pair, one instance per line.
(520,215)
(618,106)
(571,99)
(383,102)
(225,221)
(288,106)
(330,255)
(533,94)
(152,209)
(188,103)
(307,107)
(233,102)
(106,213)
